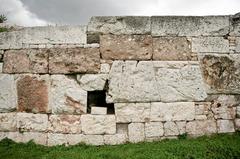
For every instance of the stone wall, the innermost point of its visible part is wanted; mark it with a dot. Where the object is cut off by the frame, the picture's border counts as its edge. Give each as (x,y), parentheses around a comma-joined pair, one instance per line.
(120,79)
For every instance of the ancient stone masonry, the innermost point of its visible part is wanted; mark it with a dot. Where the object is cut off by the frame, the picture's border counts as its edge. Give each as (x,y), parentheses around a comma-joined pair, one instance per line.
(121,79)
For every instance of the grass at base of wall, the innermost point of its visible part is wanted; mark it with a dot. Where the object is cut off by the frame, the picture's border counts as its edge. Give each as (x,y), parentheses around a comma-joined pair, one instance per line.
(3,29)
(222,146)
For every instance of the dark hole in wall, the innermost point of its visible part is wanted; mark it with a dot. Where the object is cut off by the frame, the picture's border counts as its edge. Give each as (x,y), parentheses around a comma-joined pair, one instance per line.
(98,99)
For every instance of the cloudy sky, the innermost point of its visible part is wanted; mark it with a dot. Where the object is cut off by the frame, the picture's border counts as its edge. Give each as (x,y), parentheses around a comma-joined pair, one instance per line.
(60,12)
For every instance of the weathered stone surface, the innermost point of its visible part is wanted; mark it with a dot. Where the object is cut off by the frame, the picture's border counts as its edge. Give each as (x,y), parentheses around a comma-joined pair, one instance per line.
(177,111)
(43,35)
(221,73)
(210,44)
(201,127)
(37,137)
(237,124)
(136,132)
(170,129)
(132,112)
(126,47)
(66,96)
(1,66)
(8,93)
(74,139)
(98,124)
(149,81)
(104,68)
(202,108)
(64,124)
(93,140)
(99,110)
(235,22)
(8,122)
(26,61)
(225,126)
(115,139)
(153,129)
(57,139)
(238,111)
(237,42)
(3,135)
(190,25)
(181,125)
(122,128)
(32,122)
(118,25)
(92,82)
(32,91)
(74,60)
(173,49)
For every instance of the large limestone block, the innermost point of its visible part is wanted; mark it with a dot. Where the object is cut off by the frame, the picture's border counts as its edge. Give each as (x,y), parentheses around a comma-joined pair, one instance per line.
(126,47)
(92,82)
(74,139)
(8,93)
(153,129)
(8,122)
(66,96)
(43,35)
(95,140)
(235,23)
(237,49)
(74,60)
(149,81)
(57,139)
(32,122)
(33,91)
(132,112)
(201,127)
(225,126)
(115,139)
(210,44)
(117,25)
(98,124)
(172,111)
(173,49)
(136,132)
(221,73)
(170,129)
(64,124)
(37,137)
(190,25)
(26,61)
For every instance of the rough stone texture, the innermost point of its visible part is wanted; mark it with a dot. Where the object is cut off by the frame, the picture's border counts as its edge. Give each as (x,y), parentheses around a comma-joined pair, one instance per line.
(26,61)
(190,25)
(57,139)
(1,66)
(115,139)
(177,111)
(173,49)
(64,124)
(98,124)
(32,93)
(181,125)
(92,82)
(235,22)
(117,25)
(238,111)
(132,112)
(104,68)
(8,93)
(93,140)
(221,73)
(149,81)
(74,60)
(225,126)
(237,47)
(66,96)
(43,35)
(136,132)
(126,47)
(122,129)
(99,110)
(201,127)
(32,122)
(153,129)
(237,124)
(210,44)
(170,129)
(8,122)
(37,137)
(74,139)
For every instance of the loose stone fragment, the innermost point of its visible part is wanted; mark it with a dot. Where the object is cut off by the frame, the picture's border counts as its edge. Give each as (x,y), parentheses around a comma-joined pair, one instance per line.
(33,93)
(136,132)
(8,93)
(99,110)
(170,129)
(126,47)
(98,124)
(173,49)
(225,126)
(8,122)
(132,112)
(153,129)
(66,96)
(201,127)
(64,124)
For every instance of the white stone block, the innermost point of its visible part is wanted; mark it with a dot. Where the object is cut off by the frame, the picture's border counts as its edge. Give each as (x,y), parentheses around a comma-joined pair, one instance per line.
(105,68)
(153,129)
(93,140)
(136,132)
(170,129)
(201,127)
(92,82)
(57,139)
(1,65)
(8,122)
(99,110)
(225,126)
(115,139)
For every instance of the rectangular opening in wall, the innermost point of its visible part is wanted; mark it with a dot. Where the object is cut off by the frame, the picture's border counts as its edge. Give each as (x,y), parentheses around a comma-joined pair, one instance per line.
(98,99)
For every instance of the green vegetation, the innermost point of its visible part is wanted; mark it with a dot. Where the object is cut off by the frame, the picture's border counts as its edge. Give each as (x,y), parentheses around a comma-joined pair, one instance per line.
(217,146)
(3,18)
(3,29)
